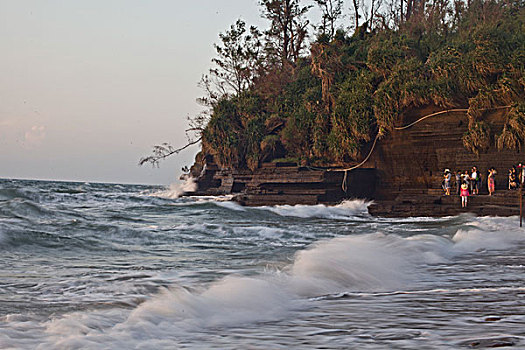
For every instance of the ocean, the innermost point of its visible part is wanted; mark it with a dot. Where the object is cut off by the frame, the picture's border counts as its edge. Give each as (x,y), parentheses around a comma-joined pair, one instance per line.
(109,266)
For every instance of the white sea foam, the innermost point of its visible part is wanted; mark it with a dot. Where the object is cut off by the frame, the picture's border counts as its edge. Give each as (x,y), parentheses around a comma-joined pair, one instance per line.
(176,190)
(157,323)
(229,205)
(201,228)
(231,301)
(213,199)
(343,211)
(364,262)
(261,231)
(368,262)
(275,236)
(489,233)
(357,263)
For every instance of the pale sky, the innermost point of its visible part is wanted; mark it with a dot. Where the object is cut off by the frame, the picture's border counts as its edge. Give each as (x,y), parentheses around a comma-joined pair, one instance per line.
(87,87)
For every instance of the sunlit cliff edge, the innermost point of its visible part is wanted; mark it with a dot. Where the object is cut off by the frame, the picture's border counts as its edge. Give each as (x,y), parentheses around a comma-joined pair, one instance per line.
(377,111)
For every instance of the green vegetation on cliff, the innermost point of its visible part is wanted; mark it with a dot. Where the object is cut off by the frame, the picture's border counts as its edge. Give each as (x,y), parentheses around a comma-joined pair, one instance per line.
(274,95)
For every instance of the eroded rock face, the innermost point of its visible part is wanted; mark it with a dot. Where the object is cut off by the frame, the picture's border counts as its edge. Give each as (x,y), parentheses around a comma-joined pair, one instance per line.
(410,164)
(403,175)
(415,158)
(284,183)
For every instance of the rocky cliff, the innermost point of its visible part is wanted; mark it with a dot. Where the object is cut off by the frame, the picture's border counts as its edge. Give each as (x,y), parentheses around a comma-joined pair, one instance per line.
(410,165)
(286,183)
(402,176)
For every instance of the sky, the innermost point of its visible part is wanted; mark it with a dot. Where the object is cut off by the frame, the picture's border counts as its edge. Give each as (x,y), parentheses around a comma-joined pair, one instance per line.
(87,87)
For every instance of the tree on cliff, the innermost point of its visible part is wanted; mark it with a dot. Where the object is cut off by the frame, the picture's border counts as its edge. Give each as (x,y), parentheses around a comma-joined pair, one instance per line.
(288,30)
(323,107)
(331,13)
(237,64)
(238,59)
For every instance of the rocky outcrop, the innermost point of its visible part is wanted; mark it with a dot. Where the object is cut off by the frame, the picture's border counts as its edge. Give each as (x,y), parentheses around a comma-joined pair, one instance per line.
(410,165)
(434,203)
(286,183)
(403,174)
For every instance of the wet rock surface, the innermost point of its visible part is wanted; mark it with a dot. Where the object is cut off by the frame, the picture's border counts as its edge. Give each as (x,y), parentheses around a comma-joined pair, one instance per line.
(284,183)
(487,343)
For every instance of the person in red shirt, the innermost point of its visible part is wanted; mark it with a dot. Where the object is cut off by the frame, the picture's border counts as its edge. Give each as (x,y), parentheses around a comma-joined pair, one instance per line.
(464,195)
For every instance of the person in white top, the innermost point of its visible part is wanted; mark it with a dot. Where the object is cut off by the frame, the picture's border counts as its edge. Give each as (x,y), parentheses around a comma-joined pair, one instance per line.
(474,186)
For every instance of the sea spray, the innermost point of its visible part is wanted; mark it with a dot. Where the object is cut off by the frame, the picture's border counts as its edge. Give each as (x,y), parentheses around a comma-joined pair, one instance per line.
(372,262)
(347,210)
(357,263)
(231,301)
(115,268)
(363,262)
(176,190)
(477,238)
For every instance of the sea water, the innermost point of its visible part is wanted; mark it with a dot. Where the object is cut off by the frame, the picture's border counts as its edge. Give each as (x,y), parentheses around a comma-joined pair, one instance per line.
(108,266)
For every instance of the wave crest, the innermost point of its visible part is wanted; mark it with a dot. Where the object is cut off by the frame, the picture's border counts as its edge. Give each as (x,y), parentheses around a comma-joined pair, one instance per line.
(346,210)
(176,190)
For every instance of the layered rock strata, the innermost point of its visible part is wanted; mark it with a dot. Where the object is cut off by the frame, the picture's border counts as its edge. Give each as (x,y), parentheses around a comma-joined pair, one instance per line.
(285,183)
(402,176)
(410,164)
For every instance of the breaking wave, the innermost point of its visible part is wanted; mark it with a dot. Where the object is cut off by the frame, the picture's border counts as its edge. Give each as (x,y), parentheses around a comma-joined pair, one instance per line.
(365,264)
(357,263)
(346,210)
(115,267)
(176,190)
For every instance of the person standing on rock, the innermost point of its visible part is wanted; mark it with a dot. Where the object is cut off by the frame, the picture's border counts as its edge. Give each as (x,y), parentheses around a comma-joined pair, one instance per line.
(466,178)
(458,182)
(520,173)
(512,179)
(446,181)
(474,181)
(491,181)
(480,181)
(464,195)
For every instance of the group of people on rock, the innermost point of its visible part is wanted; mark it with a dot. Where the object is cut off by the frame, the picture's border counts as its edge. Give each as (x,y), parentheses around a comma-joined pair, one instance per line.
(516,176)
(469,183)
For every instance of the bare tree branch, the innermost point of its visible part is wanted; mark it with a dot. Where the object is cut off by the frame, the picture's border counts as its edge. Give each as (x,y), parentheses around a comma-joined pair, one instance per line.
(163,151)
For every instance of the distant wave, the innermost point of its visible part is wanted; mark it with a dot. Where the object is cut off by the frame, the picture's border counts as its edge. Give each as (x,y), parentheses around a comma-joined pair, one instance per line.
(343,211)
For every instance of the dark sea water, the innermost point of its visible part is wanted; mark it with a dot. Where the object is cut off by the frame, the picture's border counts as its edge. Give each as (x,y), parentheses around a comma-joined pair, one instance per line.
(105,266)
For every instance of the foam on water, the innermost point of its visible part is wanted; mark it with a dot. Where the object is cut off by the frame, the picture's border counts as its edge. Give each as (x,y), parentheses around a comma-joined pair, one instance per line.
(265,232)
(229,205)
(488,233)
(123,299)
(176,190)
(367,263)
(364,262)
(370,262)
(347,210)
(233,300)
